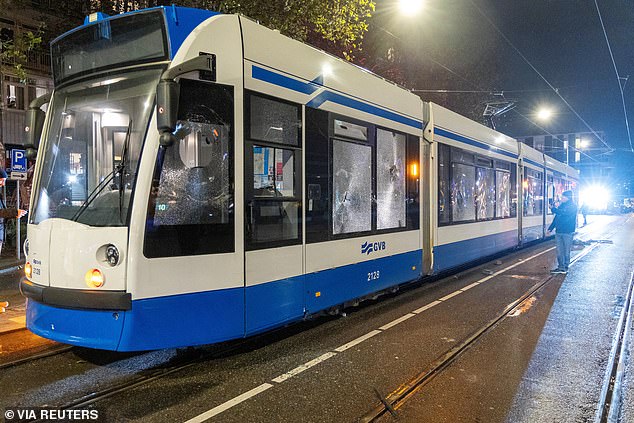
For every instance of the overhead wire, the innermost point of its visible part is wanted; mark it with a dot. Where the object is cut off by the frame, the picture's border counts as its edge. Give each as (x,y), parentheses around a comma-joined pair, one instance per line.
(618,77)
(528,62)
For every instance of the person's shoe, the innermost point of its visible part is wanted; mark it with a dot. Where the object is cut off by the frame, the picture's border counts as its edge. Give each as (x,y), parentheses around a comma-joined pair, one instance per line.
(558,271)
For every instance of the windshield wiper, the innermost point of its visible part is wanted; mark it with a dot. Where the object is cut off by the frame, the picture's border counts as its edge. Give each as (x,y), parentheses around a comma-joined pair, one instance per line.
(118,170)
(122,168)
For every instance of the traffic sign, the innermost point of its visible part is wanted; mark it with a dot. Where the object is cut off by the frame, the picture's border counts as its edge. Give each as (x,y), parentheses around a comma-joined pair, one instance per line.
(18,161)
(17,176)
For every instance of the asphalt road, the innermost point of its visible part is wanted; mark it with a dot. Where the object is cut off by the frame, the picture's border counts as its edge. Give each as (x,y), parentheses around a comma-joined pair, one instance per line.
(329,369)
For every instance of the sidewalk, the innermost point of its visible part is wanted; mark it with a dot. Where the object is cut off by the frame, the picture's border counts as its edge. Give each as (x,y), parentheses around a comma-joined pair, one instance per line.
(13,318)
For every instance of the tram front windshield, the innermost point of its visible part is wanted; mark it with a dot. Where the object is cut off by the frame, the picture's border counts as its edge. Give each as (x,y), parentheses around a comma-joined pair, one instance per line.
(92,148)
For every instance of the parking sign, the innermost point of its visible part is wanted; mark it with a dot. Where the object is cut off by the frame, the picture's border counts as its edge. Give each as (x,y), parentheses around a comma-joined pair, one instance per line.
(18,160)
(18,165)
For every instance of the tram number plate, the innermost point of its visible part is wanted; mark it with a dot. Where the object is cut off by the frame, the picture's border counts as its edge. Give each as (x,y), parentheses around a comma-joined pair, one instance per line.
(374,275)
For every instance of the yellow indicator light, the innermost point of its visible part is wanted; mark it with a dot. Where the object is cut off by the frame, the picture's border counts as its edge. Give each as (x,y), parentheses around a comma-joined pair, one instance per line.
(28,270)
(413,169)
(413,267)
(525,184)
(318,294)
(94,278)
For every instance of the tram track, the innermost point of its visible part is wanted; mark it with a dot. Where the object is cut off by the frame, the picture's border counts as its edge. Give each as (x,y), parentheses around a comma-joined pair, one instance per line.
(610,400)
(397,398)
(39,353)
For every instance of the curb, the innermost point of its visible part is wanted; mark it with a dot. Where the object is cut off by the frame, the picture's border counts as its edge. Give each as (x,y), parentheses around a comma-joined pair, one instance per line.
(11,269)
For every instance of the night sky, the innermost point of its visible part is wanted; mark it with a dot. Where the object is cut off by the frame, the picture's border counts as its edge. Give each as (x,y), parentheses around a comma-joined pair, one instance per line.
(451,45)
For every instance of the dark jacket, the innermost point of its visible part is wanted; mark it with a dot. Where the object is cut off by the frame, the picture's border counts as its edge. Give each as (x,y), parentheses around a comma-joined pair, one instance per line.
(565,221)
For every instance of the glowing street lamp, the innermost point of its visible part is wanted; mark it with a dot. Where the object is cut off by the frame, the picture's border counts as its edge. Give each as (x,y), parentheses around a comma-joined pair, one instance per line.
(410,7)
(544,114)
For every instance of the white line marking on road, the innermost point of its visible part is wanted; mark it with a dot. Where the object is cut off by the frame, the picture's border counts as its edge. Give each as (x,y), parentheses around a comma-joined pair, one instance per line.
(297,370)
(357,341)
(453,294)
(231,403)
(397,321)
(426,307)
(466,288)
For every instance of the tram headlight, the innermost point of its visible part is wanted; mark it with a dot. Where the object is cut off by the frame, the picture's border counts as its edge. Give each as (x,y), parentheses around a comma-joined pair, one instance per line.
(112,255)
(28,270)
(94,278)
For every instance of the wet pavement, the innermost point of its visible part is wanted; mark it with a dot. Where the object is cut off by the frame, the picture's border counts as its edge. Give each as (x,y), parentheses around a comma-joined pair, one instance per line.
(546,363)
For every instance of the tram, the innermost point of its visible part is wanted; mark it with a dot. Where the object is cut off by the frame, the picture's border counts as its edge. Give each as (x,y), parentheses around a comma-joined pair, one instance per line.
(202,178)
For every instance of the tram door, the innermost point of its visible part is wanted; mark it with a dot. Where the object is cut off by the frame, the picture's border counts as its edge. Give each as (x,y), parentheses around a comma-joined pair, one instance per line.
(273,227)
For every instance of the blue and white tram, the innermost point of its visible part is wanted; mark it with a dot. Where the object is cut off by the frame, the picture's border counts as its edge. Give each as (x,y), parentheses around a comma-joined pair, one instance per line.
(202,178)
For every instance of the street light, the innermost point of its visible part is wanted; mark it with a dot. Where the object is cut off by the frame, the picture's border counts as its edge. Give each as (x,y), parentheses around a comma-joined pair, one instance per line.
(544,114)
(410,7)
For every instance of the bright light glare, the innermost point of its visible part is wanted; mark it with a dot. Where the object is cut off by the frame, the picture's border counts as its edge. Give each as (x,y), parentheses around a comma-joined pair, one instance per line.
(596,197)
(410,7)
(72,179)
(584,143)
(544,114)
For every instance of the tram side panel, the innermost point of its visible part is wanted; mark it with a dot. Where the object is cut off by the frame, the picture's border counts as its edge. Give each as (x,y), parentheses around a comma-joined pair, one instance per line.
(476,199)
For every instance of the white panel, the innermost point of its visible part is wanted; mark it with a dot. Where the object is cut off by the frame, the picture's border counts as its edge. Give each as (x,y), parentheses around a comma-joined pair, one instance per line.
(446,119)
(75,249)
(263,46)
(331,254)
(39,241)
(455,233)
(530,221)
(273,264)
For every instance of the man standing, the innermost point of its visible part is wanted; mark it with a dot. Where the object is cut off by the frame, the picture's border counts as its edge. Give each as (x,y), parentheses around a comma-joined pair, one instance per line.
(6,213)
(564,224)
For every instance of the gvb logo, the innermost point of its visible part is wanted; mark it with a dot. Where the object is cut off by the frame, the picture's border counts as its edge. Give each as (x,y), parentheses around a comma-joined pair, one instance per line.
(370,247)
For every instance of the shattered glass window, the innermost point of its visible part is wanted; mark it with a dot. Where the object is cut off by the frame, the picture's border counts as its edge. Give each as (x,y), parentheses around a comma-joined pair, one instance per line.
(191,202)
(274,121)
(390,180)
(485,193)
(352,188)
(463,192)
(444,200)
(503,188)
(533,195)
(195,194)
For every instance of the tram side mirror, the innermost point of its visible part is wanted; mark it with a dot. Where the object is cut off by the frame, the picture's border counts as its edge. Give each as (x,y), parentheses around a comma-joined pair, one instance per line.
(35,122)
(168,90)
(167,94)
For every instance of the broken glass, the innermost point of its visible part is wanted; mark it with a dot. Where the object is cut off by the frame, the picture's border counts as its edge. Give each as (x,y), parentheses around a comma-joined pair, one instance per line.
(462,192)
(352,186)
(390,180)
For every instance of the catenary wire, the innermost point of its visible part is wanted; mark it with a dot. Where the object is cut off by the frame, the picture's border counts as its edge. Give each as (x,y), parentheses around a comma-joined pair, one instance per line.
(528,62)
(618,78)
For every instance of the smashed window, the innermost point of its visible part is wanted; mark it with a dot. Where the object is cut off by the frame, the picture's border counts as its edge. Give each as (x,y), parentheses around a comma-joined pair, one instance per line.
(191,202)
(462,192)
(503,188)
(352,187)
(485,193)
(274,121)
(390,180)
